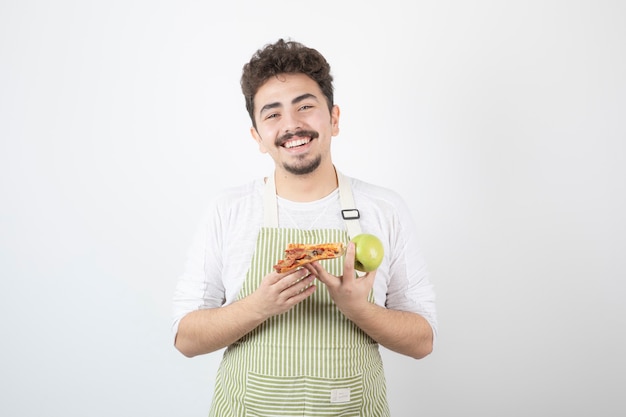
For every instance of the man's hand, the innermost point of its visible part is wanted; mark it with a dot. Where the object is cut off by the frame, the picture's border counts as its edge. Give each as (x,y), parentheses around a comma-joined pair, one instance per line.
(206,330)
(278,292)
(401,331)
(349,292)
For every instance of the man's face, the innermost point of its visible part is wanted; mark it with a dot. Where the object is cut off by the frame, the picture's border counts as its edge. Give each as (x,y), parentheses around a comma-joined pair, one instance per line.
(293,123)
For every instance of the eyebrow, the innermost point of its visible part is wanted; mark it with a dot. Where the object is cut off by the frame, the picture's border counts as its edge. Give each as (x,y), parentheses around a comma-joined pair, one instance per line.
(296,100)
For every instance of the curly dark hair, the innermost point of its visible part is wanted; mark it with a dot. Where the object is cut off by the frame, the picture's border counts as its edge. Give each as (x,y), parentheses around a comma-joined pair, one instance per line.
(284,57)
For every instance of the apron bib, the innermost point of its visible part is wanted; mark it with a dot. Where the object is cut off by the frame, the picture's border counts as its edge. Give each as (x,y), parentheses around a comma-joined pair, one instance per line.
(309,361)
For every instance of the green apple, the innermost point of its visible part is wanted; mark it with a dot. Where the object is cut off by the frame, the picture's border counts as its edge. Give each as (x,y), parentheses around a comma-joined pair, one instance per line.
(368,252)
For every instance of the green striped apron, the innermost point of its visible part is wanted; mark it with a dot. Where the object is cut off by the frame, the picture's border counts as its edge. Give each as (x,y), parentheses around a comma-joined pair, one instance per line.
(309,361)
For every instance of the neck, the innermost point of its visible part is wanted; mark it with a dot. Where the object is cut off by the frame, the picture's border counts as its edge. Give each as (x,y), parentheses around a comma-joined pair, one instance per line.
(303,188)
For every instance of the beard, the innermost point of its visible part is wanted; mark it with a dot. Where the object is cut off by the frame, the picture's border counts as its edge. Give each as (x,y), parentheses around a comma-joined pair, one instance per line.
(303,165)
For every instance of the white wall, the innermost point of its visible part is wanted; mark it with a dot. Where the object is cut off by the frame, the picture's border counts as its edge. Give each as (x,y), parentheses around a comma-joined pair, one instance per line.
(501,122)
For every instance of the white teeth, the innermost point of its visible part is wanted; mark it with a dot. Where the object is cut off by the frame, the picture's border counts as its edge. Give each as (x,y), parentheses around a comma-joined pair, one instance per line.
(296,142)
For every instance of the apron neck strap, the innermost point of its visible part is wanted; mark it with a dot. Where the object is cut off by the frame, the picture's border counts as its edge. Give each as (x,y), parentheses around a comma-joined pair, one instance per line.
(270,206)
(349,211)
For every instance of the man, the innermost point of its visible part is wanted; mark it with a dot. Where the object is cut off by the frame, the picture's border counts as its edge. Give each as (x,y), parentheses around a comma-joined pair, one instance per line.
(303,342)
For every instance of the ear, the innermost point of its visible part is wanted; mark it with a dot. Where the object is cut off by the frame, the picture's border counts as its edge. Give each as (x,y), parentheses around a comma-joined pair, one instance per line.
(257,138)
(334,120)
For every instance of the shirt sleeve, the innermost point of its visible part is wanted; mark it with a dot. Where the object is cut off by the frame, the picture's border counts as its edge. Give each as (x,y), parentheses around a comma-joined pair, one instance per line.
(409,287)
(199,286)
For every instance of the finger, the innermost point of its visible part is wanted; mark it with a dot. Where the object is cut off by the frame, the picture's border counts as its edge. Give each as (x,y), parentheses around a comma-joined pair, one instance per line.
(311,268)
(315,268)
(369,276)
(272,278)
(291,279)
(323,275)
(348,263)
(301,295)
(301,286)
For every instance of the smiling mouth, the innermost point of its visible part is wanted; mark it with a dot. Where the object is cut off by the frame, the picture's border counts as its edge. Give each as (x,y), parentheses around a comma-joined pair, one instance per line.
(294,143)
(293,140)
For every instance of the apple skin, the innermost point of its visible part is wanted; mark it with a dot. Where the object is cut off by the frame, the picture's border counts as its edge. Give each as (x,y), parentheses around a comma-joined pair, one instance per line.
(369,252)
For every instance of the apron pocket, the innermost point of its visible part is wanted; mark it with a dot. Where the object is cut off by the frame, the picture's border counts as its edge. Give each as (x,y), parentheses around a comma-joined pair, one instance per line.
(341,397)
(290,396)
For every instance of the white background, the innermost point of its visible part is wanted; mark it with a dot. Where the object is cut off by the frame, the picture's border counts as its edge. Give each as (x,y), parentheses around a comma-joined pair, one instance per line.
(503,124)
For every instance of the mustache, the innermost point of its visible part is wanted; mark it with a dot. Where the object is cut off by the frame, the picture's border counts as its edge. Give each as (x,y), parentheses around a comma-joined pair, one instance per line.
(284,138)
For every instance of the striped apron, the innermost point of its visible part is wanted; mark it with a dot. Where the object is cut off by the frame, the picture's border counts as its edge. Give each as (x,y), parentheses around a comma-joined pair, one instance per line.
(309,361)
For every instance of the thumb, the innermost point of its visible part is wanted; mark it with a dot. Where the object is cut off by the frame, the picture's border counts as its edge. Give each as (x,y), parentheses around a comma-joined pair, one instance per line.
(348,263)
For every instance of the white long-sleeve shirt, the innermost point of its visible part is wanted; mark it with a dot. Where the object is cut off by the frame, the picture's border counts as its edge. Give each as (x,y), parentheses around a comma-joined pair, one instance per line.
(220,254)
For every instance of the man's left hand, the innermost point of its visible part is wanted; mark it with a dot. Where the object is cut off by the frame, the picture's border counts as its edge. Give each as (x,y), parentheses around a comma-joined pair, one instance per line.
(349,292)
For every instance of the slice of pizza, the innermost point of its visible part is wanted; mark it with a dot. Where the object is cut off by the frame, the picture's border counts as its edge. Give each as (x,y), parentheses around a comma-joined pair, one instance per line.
(298,254)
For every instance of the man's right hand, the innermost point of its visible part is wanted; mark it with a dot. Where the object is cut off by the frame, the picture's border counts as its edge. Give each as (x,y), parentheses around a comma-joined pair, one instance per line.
(278,292)
(206,330)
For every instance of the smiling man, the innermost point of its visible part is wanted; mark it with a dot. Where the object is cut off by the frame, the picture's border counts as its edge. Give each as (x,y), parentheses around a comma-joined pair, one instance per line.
(304,342)
(288,125)
(295,126)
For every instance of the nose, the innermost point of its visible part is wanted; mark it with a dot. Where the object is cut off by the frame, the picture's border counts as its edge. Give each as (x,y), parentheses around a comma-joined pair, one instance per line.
(291,122)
